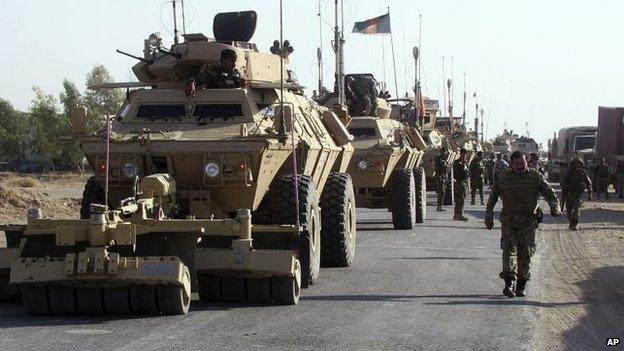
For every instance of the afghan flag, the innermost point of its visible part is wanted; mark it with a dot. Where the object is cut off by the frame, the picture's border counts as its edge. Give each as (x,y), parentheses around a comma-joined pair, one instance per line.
(377,25)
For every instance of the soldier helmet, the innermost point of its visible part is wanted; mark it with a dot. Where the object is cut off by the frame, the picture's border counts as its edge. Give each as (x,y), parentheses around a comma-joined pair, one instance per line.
(576,160)
(228,54)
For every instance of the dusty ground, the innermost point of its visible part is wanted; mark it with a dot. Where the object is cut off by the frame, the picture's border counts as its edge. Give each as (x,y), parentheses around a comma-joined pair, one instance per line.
(57,194)
(583,292)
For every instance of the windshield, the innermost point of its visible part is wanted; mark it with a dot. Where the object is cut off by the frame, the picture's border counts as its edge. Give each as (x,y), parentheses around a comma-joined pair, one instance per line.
(584,142)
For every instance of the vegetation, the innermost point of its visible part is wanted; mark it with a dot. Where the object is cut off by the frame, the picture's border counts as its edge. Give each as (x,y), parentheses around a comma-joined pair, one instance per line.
(35,136)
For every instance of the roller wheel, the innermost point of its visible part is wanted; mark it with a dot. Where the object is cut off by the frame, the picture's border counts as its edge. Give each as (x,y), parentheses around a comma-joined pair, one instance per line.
(403,199)
(259,290)
(233,289)
(143,299)
(8,294)
(62,300)
(283,210)
(90,301)
(35,300)
(338,234)
(117,301)
(93,194)
(421,194)
(209,288)
(171,298)
(286,290)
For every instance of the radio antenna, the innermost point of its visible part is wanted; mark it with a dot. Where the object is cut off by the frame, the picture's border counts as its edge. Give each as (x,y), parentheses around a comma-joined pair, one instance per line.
(183,18)
(175,23)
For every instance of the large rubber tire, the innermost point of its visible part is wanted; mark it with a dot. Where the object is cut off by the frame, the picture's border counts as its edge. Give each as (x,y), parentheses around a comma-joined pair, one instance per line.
(35,300)
(449,194)
(338,233)
(283,211)
(403,199)
(93,194)
(171,298)
(421,194)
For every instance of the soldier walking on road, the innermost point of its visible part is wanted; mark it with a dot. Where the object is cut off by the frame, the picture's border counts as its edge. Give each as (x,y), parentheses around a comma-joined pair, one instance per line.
(489,166)
(500,166)
(477,172)
(441,176)
(601,174)
(574,184)
(520,189)
(462,178)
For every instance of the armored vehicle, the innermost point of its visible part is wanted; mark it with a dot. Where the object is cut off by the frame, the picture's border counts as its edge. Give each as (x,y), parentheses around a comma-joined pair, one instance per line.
(571,142)
(217,190)
(386,155)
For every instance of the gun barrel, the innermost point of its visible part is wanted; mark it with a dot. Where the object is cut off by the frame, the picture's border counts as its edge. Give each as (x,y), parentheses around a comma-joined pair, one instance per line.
(135,57)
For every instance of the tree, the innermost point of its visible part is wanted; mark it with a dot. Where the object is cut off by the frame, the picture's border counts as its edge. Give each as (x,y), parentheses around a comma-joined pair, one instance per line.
(47,125)
(100,101)
(13,133)
(70,149)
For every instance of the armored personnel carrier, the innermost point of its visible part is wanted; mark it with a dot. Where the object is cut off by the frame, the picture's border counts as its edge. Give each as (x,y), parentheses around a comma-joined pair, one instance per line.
(218,191)
(386,155)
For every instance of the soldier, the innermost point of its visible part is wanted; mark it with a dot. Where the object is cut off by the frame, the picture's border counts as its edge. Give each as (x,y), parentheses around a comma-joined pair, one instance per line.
(500,167)
(441,176)
(535,164)
(477,171)
(461,173)
(489,166)
(223,77)
(601,174)
(520,190)
(574,184)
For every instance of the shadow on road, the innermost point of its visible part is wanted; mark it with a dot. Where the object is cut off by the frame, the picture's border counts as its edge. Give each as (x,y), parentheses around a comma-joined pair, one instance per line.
(398,298)
(603,293)
(443,258)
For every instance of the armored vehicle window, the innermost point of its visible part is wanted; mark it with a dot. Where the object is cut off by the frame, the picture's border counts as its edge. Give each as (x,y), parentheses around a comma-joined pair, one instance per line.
(161,111)
(213,111)
(362,133)
(266,110)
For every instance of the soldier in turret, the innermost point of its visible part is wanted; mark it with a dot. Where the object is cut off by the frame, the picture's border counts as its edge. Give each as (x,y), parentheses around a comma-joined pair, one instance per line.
(573,186)
(441,176)
(477,172)
(223,77)
(520,189)
(461,173)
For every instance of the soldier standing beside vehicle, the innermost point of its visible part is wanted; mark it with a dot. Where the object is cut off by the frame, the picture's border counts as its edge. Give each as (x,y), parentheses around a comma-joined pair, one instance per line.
(601,174)
(461,175)
(574,184)
(441,176)
(520,190)
(225,76)
(477,172)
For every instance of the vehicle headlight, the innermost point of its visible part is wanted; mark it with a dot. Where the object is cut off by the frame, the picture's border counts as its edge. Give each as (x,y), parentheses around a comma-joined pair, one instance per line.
(363,164)
(212,169)
(130,170)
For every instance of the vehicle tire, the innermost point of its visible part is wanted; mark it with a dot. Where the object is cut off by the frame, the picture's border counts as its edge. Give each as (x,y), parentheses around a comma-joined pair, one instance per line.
(403,199)
(171,298)
(283,209)
(93,194)
(338,233)
(449,194)
(420,180)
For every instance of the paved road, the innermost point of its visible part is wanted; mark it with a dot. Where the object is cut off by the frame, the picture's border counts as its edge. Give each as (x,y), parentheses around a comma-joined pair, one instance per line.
(433,288)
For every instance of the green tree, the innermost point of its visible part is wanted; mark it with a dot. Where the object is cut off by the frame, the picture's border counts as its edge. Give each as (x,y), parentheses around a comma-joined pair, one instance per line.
(70,149)
(13,133)
(47,125)
(100,101)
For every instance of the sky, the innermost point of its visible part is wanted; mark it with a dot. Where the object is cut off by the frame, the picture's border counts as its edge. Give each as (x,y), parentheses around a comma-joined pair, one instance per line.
(546,63)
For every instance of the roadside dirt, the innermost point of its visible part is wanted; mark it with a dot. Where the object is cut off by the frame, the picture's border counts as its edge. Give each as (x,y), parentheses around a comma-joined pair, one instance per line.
(583,293)
(57,194)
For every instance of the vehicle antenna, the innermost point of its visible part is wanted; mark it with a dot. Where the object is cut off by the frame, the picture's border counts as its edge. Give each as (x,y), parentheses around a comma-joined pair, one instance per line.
(464,112)
(183,18)
(175,23)
(319,51)
(107,163)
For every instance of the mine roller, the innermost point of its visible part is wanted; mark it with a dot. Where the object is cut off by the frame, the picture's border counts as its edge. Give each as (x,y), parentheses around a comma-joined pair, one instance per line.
(238,193)
(385,164)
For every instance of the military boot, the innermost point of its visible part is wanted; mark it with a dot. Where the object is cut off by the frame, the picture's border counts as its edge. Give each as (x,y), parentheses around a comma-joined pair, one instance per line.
(509,288)
(440,209)
(482,203)
(521,288)
(472,200)
(573,225)
(460,217)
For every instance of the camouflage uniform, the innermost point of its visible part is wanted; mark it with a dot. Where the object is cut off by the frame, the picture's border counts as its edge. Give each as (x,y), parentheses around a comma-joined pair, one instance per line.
(462,178)
(441,178)
(489,171)
(572,189)
(477,172)
(520,193)
(218,78)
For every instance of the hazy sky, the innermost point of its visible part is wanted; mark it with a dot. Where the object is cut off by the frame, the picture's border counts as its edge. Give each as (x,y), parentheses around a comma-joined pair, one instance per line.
(548,63)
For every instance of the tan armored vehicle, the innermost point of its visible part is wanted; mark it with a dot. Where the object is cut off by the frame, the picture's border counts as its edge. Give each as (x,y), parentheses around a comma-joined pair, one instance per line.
(386,155)
(219,192)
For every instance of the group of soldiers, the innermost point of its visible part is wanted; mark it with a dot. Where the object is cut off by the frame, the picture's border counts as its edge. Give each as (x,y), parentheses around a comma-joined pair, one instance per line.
(519,182)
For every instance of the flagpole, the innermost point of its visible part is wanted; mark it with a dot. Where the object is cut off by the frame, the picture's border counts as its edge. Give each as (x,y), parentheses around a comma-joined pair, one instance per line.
(396,83)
